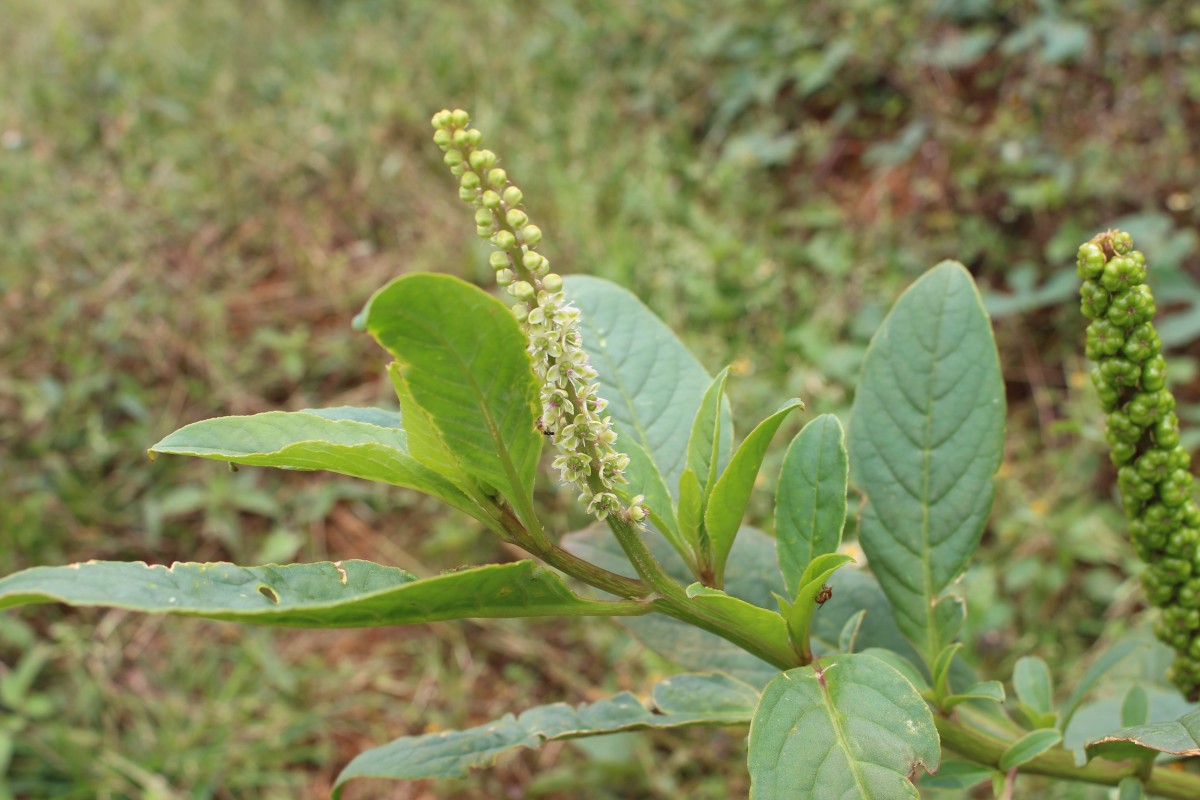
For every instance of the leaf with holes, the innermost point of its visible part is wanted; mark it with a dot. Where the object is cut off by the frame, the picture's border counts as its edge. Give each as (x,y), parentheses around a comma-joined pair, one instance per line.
(341,594)
(653,384)
(926,436)
(847,726)
(362,442)
(462,360)
(682,700)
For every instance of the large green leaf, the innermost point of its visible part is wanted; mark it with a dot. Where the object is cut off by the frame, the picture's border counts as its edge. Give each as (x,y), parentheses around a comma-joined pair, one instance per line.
(464,362)
(363,442)
(653,384)
(678,701)
(847,726)
(339,594)
(810,502)
(1179,737)
(925,438)
(730,494)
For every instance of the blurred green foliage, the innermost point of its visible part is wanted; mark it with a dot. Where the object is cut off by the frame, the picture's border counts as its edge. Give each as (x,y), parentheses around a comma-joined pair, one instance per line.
(195,198)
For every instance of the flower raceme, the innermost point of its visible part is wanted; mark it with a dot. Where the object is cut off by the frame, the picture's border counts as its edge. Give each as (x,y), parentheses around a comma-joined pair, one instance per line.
(572,409)
(1153,470)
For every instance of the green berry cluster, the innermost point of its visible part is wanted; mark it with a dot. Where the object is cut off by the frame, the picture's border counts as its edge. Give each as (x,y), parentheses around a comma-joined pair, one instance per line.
(571,405)
(1153,470)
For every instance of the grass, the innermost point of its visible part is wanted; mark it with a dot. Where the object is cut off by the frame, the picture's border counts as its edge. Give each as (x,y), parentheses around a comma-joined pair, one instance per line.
(196,198)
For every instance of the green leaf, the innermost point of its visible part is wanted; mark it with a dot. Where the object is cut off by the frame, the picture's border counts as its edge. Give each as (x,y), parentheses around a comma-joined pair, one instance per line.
(1099,668)
(940,671)
(463,360)
(847,726)
(767,625)
(703,451)
(1130,789)
(1135,709)
(799,614)
(753,576)
(1033,684)
(340,594)
(362,442)
(1029,747)
(691,511)
(849,635)
(957,775)
(984,690)
(727,503)
(925,438)
(1179,737)
(810,502)
(678,701)
(644,479)
(653,384)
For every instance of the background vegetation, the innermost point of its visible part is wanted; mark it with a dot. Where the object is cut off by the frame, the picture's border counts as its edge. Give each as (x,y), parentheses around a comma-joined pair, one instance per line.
(195,198)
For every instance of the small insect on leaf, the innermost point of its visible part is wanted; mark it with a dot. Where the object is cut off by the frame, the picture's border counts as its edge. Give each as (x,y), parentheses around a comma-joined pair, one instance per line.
(824,595)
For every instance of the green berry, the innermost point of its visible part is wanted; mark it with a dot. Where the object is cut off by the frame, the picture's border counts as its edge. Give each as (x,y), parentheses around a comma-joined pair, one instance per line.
(1154,374)
(1122,243)
(1166,431)
(1122,273)
(1090,260)
(1104,339)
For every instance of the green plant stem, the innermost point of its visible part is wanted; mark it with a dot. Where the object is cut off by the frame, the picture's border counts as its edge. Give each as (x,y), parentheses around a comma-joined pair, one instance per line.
(674,602)
(983,748)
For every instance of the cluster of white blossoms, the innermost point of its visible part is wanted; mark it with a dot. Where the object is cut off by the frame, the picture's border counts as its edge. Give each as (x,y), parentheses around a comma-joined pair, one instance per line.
(571,405)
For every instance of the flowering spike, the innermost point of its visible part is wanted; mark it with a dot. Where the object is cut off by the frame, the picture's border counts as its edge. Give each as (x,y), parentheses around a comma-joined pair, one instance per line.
(571,408)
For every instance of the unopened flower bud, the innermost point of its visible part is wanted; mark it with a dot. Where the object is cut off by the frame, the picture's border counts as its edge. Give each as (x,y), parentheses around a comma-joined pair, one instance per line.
(453,158)
(460,118)
(520,311)
(474,137)
(531,234)
(490,199)
(484,217)
(441,138)
(552,282)
(470,180)
(504,240)
(441,119)
(483,231)
(482,160)
(460,138)
(498,259)
(497,178)
(516,218)
(523,290)
(532,261)
(458,169)
(505,277)
(512,196)
(468,195)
